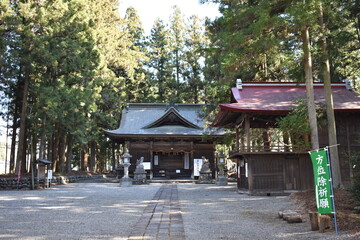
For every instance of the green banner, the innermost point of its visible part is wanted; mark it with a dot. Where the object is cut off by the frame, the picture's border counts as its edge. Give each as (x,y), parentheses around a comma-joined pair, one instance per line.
(322,181)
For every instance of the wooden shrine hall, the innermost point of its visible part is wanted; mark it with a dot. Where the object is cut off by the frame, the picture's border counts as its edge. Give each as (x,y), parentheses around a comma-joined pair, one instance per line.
(266,160)
(170,137)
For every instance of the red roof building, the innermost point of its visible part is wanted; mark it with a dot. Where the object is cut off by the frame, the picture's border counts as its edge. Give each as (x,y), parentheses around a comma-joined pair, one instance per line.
(268,165)
(279,98)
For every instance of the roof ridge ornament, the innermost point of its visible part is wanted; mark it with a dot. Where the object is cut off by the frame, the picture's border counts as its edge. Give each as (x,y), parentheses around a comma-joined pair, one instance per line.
(239,83)
(172,104)
(348,85)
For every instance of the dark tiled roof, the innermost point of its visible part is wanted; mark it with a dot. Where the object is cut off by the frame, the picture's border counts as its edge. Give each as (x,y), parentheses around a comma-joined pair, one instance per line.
(145,119)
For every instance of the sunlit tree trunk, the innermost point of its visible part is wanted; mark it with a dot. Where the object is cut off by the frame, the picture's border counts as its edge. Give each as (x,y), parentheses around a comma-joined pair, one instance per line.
(24,103)
(309,87)
(69,152)
(336,173)
(13,143)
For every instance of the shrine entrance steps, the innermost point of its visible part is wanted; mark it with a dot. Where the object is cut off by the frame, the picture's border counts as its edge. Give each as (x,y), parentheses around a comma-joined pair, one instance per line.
(171,181)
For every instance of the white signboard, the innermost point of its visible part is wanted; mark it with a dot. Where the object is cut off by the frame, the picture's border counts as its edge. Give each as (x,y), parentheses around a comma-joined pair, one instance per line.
(197,166)
(246,170)
(49,174)
(147,165)
(156,160)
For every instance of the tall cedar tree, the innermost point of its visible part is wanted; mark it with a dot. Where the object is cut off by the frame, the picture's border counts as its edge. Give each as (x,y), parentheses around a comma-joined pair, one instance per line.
(160,61)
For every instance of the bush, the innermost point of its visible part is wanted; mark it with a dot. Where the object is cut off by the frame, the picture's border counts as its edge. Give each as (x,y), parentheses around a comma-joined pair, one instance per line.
(354,159)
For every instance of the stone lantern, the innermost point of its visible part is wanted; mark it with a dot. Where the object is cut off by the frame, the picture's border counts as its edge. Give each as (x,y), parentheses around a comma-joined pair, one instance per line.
(221,178)
(125,180)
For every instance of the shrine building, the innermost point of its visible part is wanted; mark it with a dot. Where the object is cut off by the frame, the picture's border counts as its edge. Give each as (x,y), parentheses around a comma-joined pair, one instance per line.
(267,160)
(170,137)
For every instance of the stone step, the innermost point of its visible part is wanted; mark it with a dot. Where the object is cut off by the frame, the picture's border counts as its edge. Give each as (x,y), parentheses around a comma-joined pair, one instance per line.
(172,181)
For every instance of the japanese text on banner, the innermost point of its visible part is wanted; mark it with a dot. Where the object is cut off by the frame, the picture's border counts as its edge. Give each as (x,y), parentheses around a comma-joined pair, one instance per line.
(322,181)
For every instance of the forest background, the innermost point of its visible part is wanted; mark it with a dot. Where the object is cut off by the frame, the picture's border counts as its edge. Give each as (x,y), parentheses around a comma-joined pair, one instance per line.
(68,67)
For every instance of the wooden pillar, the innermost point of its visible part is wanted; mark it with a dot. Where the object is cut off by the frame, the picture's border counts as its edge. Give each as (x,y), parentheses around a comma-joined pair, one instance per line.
(247,132)
(266,140)
(151,159)
(351,173)
(250,175)
(192,158)
(237,140)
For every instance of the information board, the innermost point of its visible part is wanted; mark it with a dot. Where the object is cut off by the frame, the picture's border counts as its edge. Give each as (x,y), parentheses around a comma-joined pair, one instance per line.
(197,166)
(147,165)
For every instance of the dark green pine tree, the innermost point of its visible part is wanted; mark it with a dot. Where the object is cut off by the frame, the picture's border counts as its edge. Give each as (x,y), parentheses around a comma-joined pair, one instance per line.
(138,85)
(177,44)
(194,48)
(160,64)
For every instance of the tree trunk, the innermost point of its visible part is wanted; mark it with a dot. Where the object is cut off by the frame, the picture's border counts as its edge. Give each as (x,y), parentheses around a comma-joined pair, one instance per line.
(309,87)
(84,158)
(334,156)
(266,139)
(69,152)
(24,103)
(92,155)
(62,142)
(33,159)
(42,140)
(55,150)
(13,144)
(24,150)
(50,150)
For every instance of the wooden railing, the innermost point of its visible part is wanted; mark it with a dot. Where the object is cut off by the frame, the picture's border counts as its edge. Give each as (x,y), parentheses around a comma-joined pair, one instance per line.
(262,149)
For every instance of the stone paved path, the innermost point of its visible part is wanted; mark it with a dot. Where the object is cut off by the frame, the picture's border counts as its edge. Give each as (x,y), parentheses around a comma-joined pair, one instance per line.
(162,217)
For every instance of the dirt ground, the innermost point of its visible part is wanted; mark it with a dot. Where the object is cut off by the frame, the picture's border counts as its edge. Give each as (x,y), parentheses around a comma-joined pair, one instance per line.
(347,218)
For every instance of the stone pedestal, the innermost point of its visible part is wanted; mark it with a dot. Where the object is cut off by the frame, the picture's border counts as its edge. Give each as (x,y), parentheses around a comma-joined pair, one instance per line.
(221,180)
(140,178)
(126,181)
(205,178)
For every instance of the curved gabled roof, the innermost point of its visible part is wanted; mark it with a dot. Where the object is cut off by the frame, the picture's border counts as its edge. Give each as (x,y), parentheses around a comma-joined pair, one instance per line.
(161,119)
(172,117)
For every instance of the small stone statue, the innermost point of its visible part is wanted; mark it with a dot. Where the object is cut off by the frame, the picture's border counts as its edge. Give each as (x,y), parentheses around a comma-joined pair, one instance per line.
(205,168)
(140,173)
(140,165)
(205,172)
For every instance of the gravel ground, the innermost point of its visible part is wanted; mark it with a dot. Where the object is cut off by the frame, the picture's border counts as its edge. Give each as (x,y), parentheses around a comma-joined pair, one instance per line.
(74,211)
(212,212)
(94,210)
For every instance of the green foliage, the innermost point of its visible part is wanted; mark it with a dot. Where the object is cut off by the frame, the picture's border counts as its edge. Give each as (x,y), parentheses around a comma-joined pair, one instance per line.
(296,124)
(160,61)
(355,189)
(80,55)
(260,40)
(354,159)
